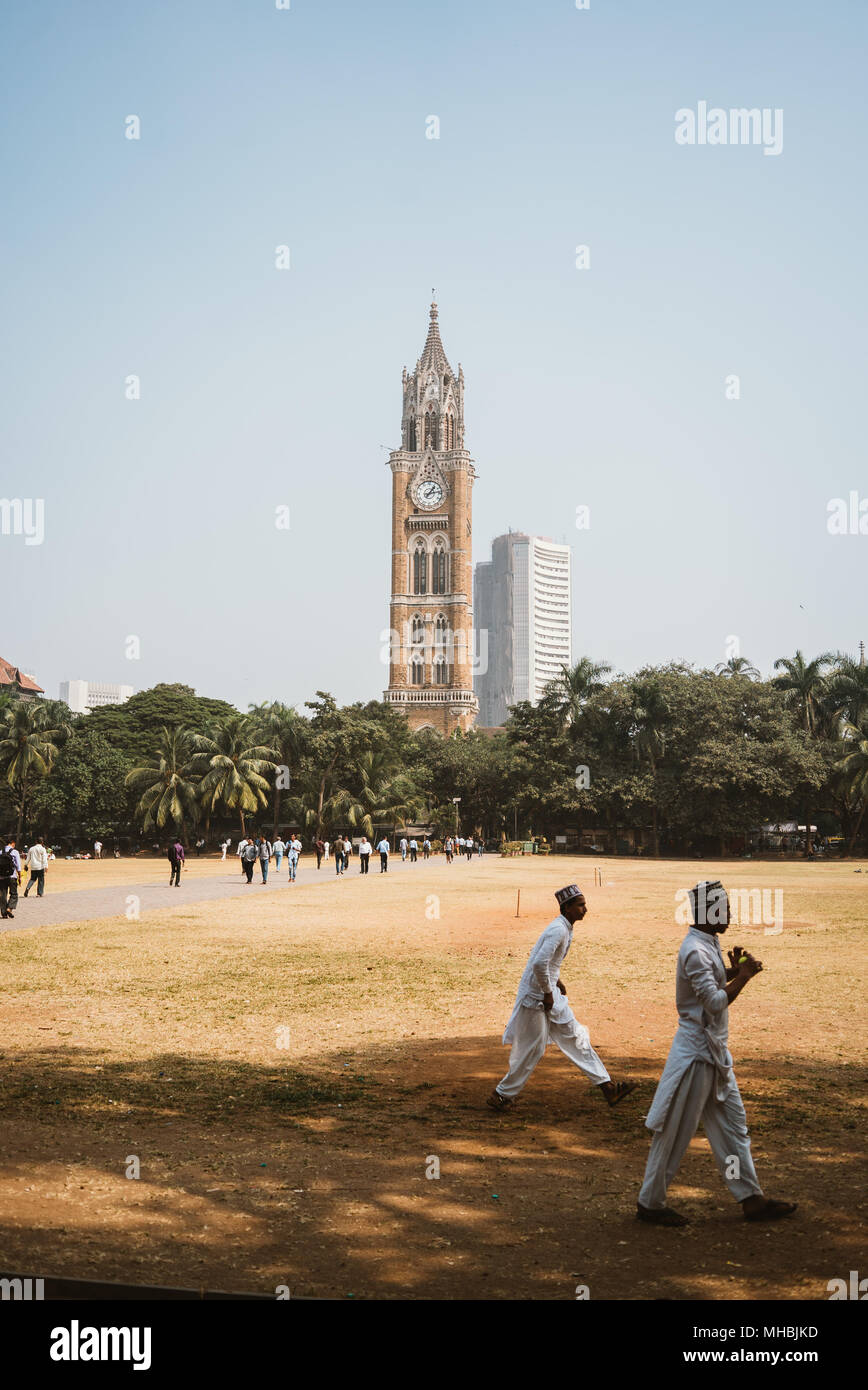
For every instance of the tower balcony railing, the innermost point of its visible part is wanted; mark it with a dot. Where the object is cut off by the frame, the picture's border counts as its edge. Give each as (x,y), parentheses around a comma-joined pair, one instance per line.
(439,696)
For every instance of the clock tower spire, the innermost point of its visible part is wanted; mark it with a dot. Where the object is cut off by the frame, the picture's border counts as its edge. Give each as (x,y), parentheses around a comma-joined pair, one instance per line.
(431,656)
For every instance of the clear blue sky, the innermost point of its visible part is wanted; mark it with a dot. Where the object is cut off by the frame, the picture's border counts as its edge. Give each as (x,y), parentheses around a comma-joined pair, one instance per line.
(602,387)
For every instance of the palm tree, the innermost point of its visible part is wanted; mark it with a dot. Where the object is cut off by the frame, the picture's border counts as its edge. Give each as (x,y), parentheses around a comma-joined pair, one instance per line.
(737,666)
(804,684)
(649,717)
(848,690)
(805,690)
(854,768)
(233,770)
(380,795)
(283,728)
(28,747)
(567,693)
(167,786)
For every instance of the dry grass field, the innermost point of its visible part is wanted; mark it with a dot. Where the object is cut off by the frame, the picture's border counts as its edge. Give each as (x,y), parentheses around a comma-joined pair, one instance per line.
(286,1067)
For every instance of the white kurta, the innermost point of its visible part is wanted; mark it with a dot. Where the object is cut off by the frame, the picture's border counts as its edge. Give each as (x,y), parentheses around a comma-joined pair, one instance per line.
(703,1022)
(530,1028)
(698,1084)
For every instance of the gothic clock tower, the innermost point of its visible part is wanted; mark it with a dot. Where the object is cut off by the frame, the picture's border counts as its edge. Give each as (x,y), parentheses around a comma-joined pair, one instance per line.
(431,666)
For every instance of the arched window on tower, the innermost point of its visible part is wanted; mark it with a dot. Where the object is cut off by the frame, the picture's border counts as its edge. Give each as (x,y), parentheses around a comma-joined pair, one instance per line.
(430,429)
(420,569)
(440,671)
(417,671)
(411,434)
(441,632)
(438,569)
(449,432)
(417,631)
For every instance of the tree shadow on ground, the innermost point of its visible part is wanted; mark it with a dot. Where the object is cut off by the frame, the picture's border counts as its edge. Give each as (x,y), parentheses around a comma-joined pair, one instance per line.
(324,1177)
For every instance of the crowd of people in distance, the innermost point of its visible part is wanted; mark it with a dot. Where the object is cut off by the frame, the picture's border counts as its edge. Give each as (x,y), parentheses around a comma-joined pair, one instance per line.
(258,849)
(251,850)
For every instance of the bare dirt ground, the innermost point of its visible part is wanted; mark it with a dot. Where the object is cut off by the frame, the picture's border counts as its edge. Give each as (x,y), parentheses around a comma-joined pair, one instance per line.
(287,1069)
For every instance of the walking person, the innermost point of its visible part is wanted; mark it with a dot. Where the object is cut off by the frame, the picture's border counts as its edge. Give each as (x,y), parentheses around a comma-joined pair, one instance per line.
(293,850)
(338,847)
(319,850)
(175,855)
(540,1016)
(97,849)
(403,848)
(325,851)
(200,845)
(364,855)
(447,849)
(383,850)
(242,845)
(249,855)
(263,850)
(10,869)
(698,1084)
(479,848)
(413,851)
(348,849)
(426,848)
(37,863)
(279,848)
(468,846)
(224,846)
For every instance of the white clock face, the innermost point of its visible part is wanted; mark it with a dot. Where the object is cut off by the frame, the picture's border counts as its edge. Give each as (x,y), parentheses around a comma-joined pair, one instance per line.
(429,495)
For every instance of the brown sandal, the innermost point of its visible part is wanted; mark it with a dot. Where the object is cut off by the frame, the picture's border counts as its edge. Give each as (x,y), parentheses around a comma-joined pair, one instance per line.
(661,1216)
(498,1102)
(620,1090)
(772,1211)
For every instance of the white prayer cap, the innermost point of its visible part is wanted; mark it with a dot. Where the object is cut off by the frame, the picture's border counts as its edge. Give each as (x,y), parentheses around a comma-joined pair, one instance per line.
(708,903)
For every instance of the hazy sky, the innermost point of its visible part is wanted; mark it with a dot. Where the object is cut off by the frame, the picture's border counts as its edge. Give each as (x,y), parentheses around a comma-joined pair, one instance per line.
(262,387)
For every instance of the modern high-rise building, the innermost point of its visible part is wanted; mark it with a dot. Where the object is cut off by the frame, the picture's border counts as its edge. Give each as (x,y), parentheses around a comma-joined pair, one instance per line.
(430,670)
(83,696)
(522,600)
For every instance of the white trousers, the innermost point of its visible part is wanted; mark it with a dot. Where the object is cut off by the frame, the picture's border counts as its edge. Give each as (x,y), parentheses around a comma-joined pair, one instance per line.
(534,1030)
(725,1125)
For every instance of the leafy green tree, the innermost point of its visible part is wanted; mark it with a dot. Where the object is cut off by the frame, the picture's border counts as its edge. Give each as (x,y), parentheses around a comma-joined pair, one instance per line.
(854,769)
(568,692)
(737,666)
(134,728)
(286,731)
(379,795)
(30,732)
(85,794)
(235,772)
(166,784)
(804,685)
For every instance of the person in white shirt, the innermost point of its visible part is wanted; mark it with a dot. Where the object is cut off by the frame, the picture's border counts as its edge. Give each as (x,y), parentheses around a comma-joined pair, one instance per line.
(37,863)
(426,847)
(403,848)
(325,850)
(383,850)
(364,855)
(698,1083)
(224,846)
(414,847)
(293,850)
(540,1016)
(242,844)
(97,849)
(278,848)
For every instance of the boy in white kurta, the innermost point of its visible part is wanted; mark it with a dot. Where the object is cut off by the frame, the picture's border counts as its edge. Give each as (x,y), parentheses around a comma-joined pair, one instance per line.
(698,1083)
(542,1014)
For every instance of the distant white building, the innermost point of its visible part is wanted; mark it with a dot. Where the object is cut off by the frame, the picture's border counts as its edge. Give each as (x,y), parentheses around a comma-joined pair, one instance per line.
(522,598)
(84,696)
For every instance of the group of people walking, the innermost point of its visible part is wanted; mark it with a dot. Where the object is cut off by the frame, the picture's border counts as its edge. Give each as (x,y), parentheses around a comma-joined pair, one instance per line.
(12,870)
(698,1084)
